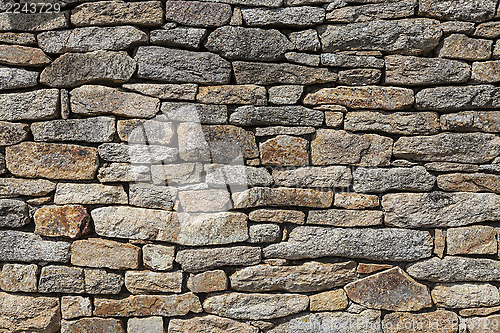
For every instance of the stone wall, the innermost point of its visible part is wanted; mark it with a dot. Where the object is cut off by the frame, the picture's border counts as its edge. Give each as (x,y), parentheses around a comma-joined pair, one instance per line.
(250,166)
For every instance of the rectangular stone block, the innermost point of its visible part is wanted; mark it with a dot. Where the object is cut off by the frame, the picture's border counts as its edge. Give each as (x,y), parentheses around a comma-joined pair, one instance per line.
(34,105)
(282,197)
(91,130)
(198,260)
(89,194)
(404,123)
(147,282)
(96,252)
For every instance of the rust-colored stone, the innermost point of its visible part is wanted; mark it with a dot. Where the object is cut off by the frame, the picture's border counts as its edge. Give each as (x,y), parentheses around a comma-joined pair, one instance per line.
(68,221)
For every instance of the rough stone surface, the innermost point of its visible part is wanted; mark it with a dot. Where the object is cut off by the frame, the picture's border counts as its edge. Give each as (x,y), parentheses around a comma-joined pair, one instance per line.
(163,64)
(23,56)
(53,161)
(92,324)
(277,216)
(373,244)
(484,121)
(282,196)
(75,306)
(102,66)
(475,10)
(91,130)
(158,257)
(355,200)
(184,92)
(149,324)
(284,150)
(370,12)
(340,147)
(430,322)
(193,112)
(255,306)
(220,175)
(311,276)
(99,281)
(33,105)
(197,260)
(391,290)
(457,98)
(229,143)
(15,78)
(407,36)
(19,278)
(96,252)
(471,240)
(89,194)
(146,282)
(198,14)
(183,37)
(328,177)
(463,182)
(61,279)
(208,282)
(156,131)
(378,180)
(34,22)
(305,40)
(465,295)
(351,60)
(70,221)
(485,72)
(345,218)
(209,323)
(459,46)
(13,213)
(439,209)
(405,123)
(278,115)
(333,300)
(152,196)
(237,94)
(291,16)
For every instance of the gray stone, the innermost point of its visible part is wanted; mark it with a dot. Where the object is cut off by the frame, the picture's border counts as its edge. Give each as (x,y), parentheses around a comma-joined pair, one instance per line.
(289,16)
(33,105)
(413,71)
(146,282)
(461,27)
(465,295)
(13,213)
(351,60)
(360,76)
(203,259)
(439,209)
(91,39)
(221,175)
(255,306)
(407,36)
(488,30)
(194,112)
(61,279)
(90,100)
(449,147)
(378,180)
(12,133)
(459,46)
(193,145)
(123,172)
(277,216)
(150,325)
(475,10)
(289,94)
(3,169)
(291,115)
(263,233)
(184,37)
(163,64)
(90,194)
(182,92)
(229,144)
(17,38)
(155,131)
(147,13)
(303,58)
(345,217)
(73,69)
(16,78)
(333,322)
(308,277)
(19,278)
(254,3)
(455,269)
(12,187)
(75,307)
(404,123)
(232,94)
(481,324)
(314,177)
(254,43)
(152,196)
(370,12)
(158,257)
(374,244)
(139,153)
(101,282)
(305,40)
(198,14)
(34,22)
(282,197)
(180,174)
(270,74)
(284,130)
(340,147)
(211,324)
(464,182)
(91,130)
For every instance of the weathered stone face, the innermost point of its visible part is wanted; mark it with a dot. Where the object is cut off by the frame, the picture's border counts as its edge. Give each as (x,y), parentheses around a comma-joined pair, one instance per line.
(19,278)
(13,213)
(391,290)
(475,11)
(92,325)
(370,12)
(146,282)
(465,295)
(345,218)
(158,257)
(96,252)
(232,94)
(34,22)
(355,200)
(314,177)
(207,282)
(183,92)
(209,323)
(68,221)
(459,46)
(229,143)
(333,300)
(471,240)
(197,260)
(183,37)
(311,276)
(89,194)
(290,16)
(198,14)
(33,105)
(404,322)
(53,161)
(374,244)
(395,179)
(92,130)
(284,150)
(75,306)
(405,123)
(14,78)
(485,121)
(281,115)
(408,36)
(475,182)
(282,196)
(277,216)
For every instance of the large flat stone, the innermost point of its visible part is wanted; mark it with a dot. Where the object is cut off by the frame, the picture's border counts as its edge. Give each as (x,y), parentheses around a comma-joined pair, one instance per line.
(221,175)
(471,240)
(209,323)
(72,69)
(229,143)
(89,194)
(449,147)
(469,182)
(370,12)
(378,180)
(368,97)
(465,295)
(374,244)
(289,16)
(16,55)
(269,74)
(407,36)
(439,321)
(99,253)
(460,46)
(474,10)
(14,187)
(345,217)
(284,150)
(34,105)
(61,279)
(277,115)
(53,161)
(152,196)
(195,112)
(92,130)
(340,147)
(439,209)
(255,306)
(404,123)
(28,247)
(34,22)
(164,64)
(198,14)
(198,260)
(233,94)
(16,78)
(282,196)
(147,282)
(458,98)
(314,177)
(92,325)
(19,278)
(182,37)
(182,92)
(310,276)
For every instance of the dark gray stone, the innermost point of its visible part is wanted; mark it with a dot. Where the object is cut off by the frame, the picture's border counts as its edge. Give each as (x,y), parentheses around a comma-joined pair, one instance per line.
(92,130)
(13,213)
(277,115)
(184,37)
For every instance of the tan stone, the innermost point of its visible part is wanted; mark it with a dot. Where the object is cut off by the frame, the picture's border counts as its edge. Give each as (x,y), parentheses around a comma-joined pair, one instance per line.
(12,133)
(158,257)
(203,259)
(209,323)
(184,173)
(237,94)
(333,119)
(405,123)
(52,161)
(372,268)
(459,46)
(471,240)
(439,321)
(345,217)
(228,143)
(14,187)
(349,200)
(486,72)
(147,282)
(182,92)
(488,30)
(205,200)
(485,121)
(95,252)
(155,131)
(282,196)
(208,282)
(310,276)
(483,324)
(29,314)
(284,150)
(465,295)
(19,278)
(439,242)
(479,311)
(340,147)
(75,307)
(147,305)
(333,300)
(85,325)
(90,194)
(70,221)
(391,290)
(373,97)
(22,56)
(277,216)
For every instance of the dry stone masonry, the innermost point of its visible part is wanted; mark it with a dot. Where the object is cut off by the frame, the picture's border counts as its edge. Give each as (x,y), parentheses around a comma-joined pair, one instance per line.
(250,166)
